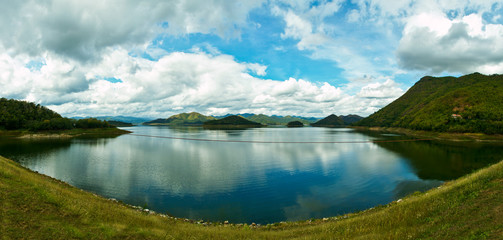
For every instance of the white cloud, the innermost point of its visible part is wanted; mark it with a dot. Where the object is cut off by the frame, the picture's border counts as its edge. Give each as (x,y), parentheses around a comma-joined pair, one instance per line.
(388,89)
(433,43)
(211,84)
(302,30)
(82,30)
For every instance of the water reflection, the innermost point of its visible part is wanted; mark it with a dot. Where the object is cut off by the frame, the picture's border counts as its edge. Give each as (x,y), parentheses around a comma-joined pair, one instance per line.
(247,182)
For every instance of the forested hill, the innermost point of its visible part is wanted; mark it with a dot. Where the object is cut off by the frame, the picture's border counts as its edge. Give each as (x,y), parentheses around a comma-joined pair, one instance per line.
(330,121)
(192,118)
(15,114)
(232,121)
(471,103)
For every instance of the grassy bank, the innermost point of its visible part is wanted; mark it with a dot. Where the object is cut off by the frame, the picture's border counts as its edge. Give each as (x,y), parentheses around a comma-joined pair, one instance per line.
(34,206)
(437,135)
(76,132)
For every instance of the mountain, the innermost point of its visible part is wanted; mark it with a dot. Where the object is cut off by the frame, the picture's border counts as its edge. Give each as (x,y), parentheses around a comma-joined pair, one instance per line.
(120,124)
(275,120)
(230,121)
(192,118)
(471,103)
(308,119)
(245,115)
(295,124)
(330,121)
(350,119)
(126,119)
(15,114)
(272,120)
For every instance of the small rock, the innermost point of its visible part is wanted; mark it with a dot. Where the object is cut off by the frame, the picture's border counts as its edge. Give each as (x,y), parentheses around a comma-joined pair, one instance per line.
(325,219)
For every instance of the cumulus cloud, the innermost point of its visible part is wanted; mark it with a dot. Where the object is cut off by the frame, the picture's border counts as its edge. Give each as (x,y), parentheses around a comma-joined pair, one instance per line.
(177,82)
(83,29)
(388,89)
(435,43)
(64,53)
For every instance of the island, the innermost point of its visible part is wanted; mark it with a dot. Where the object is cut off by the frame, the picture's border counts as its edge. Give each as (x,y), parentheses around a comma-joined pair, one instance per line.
(330,121)
(182,119)
(295,124)
(233,121)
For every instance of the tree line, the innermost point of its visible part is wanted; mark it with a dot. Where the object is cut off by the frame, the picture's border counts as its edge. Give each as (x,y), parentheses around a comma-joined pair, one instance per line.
(15,114)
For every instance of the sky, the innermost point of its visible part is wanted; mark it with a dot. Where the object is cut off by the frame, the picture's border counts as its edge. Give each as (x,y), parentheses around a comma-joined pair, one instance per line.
(156,58)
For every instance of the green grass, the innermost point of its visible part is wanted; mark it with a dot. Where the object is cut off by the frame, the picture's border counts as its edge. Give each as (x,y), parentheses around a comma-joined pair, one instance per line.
(33,206)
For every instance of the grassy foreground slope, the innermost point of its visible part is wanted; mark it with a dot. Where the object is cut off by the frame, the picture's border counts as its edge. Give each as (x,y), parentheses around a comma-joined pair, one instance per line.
(471,103)
(34,206)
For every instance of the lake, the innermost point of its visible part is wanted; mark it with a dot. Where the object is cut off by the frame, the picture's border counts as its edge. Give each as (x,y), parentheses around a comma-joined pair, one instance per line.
(260,175)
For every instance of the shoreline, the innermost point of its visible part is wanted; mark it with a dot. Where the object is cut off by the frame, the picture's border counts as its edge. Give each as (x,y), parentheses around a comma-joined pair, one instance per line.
(441,136)
(72,133)
(414,215)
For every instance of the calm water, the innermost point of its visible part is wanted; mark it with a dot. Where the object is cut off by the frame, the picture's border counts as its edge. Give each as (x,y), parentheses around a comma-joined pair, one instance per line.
(251,182)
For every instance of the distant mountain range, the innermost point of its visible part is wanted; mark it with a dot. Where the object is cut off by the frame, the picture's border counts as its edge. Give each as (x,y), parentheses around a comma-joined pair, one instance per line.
(124,119)
(120,124)
(192,118)
(231,121)
(197,119)
(274,119)
(330,121)
(350,119)
(471,103)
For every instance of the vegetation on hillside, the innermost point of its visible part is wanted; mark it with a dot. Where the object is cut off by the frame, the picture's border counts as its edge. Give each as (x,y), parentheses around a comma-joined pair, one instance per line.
(192,118)
(120,124)
(471,103)
(276,120)
(39,207)
(295,124)
(232,121)
(15,115)
(330,121)
(350,119)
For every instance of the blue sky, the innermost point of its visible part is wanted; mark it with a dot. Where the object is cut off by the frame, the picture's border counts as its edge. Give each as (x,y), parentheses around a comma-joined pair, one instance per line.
(313,58)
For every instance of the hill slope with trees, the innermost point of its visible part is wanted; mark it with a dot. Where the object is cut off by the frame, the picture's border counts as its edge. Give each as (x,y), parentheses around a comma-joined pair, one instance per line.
(276,120)
(16,115)
(330,121)
(230,121)
(471,103)
(192,118)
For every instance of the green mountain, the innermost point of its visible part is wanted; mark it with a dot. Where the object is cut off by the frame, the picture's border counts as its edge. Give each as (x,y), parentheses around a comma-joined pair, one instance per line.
(230,121)
(15,114)
(350,119)
(120,124)
(471,103)
(295,124)
(192,118)
(126,119)
(330,121)
(275,120)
